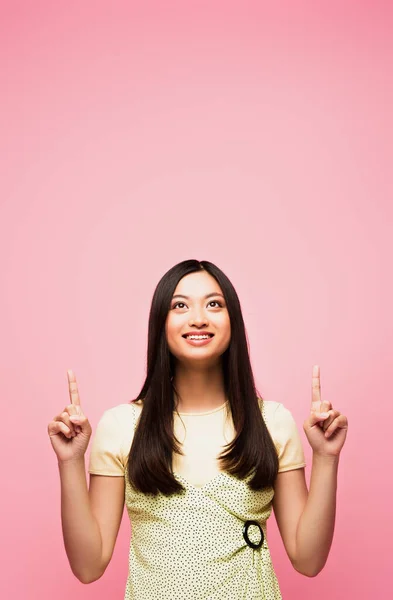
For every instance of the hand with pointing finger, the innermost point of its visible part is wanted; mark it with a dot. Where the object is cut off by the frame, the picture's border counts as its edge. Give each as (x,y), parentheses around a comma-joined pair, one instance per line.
(325,428)
(70,431)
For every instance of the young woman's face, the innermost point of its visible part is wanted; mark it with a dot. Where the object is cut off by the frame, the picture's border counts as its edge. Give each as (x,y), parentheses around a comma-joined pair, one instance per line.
(198,309)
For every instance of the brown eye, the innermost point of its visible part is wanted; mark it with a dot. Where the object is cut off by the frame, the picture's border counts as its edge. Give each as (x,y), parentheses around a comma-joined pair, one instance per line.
(177,304)
(215,302)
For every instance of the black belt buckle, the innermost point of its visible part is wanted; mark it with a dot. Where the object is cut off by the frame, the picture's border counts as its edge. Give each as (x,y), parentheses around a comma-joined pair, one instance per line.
(248,524)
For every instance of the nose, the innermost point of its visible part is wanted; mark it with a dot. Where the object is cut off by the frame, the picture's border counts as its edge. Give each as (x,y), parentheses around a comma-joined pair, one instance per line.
(198,318)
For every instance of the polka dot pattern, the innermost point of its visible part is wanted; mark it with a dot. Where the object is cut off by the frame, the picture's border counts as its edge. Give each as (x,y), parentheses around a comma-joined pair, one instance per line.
(191,546)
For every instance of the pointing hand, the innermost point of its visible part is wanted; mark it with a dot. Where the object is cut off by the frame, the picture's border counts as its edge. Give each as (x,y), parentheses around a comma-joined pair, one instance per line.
(325,428)
(70,431)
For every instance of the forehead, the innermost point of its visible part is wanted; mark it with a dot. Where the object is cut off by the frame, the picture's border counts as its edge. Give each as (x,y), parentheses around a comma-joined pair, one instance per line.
(197,284)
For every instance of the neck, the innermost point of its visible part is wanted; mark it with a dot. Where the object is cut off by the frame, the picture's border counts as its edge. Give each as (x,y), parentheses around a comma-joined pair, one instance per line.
(198,390)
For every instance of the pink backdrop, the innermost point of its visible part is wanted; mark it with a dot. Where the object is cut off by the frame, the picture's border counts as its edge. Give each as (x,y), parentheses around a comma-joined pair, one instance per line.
(138,134)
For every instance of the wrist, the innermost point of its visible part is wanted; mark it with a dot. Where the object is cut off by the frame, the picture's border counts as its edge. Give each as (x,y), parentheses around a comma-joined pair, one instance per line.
(71,462)
(325,459)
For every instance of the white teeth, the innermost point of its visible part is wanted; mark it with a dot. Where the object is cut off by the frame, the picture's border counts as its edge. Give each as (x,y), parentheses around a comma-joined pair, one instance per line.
(198,337)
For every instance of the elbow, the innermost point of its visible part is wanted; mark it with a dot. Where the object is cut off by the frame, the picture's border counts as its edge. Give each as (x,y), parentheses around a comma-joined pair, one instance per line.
(309,573)
(308,570)
(87,577)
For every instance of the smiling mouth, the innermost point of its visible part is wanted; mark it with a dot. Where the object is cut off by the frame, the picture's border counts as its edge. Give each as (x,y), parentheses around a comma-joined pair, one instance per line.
(196,336)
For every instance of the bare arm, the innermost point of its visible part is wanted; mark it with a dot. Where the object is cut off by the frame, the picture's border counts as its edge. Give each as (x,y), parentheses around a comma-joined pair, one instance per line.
(90,519)
(315,530)
(306,519)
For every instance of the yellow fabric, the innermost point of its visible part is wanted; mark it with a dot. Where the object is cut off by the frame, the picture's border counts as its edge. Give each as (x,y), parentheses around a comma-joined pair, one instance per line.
(206,433)
(191,546)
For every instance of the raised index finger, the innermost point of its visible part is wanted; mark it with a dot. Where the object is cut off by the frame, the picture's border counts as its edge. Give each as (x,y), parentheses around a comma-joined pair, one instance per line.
(316,389)
(73,388)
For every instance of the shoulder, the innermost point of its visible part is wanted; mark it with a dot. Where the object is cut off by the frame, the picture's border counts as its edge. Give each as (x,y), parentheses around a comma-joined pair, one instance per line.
(278,418)
(122,411)
(269,406)
(272,411)
(118,421)
(112,439)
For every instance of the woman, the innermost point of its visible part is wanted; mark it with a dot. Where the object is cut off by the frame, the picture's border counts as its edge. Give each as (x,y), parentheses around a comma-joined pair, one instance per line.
(199,459)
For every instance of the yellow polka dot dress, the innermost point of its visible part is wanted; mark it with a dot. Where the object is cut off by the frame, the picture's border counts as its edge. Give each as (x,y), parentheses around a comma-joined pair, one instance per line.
(209,543)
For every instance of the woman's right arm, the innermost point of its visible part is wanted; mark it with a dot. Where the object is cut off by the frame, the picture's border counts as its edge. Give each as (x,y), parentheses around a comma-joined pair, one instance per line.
(90,517)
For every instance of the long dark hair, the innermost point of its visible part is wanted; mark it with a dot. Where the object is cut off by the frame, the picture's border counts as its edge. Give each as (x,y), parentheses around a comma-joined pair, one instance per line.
(252,451)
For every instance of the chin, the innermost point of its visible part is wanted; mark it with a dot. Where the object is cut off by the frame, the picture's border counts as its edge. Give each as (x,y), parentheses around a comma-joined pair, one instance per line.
(203,361)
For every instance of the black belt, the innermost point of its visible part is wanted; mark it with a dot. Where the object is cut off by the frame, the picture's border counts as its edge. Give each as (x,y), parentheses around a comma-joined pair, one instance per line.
(254,545)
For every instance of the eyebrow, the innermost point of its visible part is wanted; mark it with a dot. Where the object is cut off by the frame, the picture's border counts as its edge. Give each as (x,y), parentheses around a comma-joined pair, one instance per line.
(207,296)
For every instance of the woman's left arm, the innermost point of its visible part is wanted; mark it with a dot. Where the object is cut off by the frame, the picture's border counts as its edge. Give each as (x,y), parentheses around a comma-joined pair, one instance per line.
(306,518)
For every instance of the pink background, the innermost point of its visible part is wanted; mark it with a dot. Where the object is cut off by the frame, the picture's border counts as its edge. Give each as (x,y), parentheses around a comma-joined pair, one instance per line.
(256,135)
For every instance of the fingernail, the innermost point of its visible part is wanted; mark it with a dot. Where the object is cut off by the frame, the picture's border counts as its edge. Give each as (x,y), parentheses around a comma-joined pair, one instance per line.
(324,415)
(75,418)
